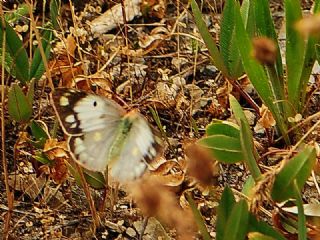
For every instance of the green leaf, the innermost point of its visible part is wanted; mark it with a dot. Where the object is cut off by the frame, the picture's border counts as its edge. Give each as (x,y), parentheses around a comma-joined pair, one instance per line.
(8,63)
(19,107)
(17,14)
(300,56)
(38,132)
(302,226)
(316,6)
(259,236)
(42,158)
(224,148)
(198,218)
(297,169)
(264,228)
(94,179)
(224,210)
(223,128)
(257,75)
(237,224)
(17,52)
(30,93)
(229,49)
(55,13)
(248,186)
(37,65)
(264,27)
(237,110)
(209,41)
(248,150)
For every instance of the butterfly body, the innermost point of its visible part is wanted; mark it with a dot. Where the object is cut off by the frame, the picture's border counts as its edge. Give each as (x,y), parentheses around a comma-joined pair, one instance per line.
(101,133)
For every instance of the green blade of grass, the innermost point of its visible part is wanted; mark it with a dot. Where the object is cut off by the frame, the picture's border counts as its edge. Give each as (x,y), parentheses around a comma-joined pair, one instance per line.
(37,66)
(225,207)
(210,43)
(248,150)
(258,77)
(198,218)
(297,169)
(302,227)
(237,224)
(229,49)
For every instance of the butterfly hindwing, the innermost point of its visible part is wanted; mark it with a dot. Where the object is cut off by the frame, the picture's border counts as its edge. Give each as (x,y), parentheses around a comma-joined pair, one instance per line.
(141,147)
(101,133)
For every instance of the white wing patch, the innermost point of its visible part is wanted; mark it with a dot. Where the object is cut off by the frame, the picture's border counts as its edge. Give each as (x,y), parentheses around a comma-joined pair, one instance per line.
(92,152)
(132,160)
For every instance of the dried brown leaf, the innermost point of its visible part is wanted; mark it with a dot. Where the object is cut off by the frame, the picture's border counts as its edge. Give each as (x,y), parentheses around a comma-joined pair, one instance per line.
(266,120)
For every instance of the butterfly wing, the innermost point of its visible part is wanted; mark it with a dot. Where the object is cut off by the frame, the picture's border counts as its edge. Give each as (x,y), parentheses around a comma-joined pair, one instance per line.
(91,123)
(80,112)
(141,147)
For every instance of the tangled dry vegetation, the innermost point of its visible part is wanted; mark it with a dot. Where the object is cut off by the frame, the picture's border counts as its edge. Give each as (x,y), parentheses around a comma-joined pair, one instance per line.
(155,62)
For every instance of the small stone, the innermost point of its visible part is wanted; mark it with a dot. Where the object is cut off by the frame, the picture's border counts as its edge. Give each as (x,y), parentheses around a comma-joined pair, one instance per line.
(213,234)
(120,222)
(138,225)
(131,232)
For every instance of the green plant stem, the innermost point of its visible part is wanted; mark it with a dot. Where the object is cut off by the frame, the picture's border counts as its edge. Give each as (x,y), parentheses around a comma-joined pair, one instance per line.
(198,218)
(302,230)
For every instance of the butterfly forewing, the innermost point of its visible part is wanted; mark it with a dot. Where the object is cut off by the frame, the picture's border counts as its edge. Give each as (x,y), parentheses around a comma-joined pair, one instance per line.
(101,133)
(80,112)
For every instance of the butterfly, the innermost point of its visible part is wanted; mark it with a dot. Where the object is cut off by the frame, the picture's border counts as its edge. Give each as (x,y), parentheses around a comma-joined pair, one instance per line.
(101,134)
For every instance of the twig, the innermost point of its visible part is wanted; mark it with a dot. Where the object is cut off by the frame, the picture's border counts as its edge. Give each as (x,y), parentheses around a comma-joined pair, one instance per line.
(95,217)
(10,196)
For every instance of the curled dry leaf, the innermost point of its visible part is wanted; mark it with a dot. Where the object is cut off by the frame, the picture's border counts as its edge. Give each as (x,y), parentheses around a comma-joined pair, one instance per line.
(63,64)
(154,8)
(53,148)
(266,120)
(169,173)
(196,94)
(157,34)
(165,96)
(170,96)
(57,152)
(99,79)
(113,17)
(222,95)
(59,171)
(154,199)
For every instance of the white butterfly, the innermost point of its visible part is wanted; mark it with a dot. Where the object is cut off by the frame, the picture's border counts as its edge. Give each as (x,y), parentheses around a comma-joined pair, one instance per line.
(100,134)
